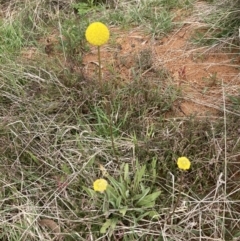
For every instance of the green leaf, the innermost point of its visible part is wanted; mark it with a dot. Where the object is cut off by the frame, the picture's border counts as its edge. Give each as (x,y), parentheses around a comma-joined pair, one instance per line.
(91,193)
(153,214)
(139,197)
(113,226)
(105,226)
(127,193)
(140,217)
(83,8)
(109,224)
(119,187)
(112,192)
(105,205)
(123,210)
(149,200)
(118,202)
(112,196)
(138,177)
(126,173)
(154,172)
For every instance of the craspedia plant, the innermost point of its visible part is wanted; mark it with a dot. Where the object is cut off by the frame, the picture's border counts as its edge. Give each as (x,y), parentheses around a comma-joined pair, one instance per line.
(100,185)
(97,34)
(183,163)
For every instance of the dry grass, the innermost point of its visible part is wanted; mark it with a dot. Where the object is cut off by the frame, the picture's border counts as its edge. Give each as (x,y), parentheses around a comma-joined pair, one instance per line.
(60,130)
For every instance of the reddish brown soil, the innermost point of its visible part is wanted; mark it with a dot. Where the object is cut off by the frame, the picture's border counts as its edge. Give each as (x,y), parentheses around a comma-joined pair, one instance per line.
(199,71)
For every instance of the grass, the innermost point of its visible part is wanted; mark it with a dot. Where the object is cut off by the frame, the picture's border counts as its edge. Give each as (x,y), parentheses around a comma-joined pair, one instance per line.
(223,26)
(60,131)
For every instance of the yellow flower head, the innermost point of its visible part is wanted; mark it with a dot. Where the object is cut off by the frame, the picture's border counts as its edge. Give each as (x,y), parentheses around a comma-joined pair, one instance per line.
(100,185)
(97,34)
(183,163)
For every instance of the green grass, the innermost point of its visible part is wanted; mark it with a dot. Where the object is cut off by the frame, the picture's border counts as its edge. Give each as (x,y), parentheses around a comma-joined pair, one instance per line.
(223,25)
(61,130)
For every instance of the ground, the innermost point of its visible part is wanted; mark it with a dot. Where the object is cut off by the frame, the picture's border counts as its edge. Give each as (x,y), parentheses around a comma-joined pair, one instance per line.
(165,95)
(200,72)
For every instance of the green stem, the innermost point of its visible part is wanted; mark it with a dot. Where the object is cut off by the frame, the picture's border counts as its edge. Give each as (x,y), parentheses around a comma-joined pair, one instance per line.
(108,105)
(178,199)
(112,138)
(99,66)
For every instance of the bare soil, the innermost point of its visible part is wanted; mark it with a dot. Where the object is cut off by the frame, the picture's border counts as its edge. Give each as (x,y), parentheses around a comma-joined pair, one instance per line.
(200,72)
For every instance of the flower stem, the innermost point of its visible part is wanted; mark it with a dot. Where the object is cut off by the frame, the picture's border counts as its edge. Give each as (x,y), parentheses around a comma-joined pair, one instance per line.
(108,111)
(99,66)
(177,201)
(112,139)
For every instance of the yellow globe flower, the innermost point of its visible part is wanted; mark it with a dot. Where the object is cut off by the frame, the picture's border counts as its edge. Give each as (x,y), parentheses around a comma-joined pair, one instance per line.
(97,34)
(100,185)
(183,163)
